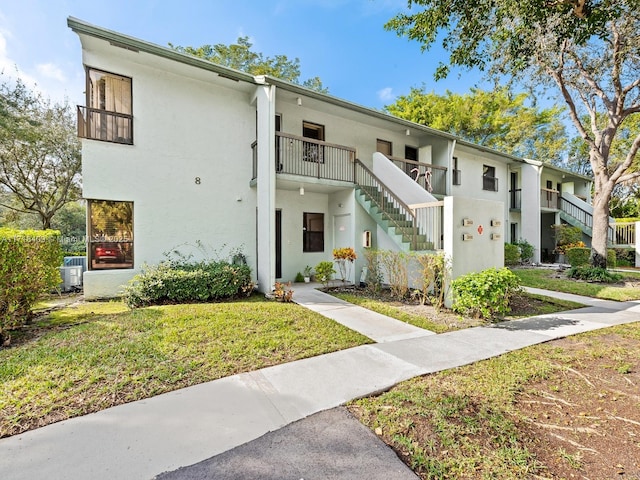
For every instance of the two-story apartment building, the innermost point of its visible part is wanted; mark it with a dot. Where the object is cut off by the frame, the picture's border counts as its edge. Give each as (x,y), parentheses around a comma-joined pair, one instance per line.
(178,151)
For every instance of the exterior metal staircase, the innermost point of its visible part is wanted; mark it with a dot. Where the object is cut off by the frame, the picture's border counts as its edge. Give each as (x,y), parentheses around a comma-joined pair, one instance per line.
(577,215)
(396,218)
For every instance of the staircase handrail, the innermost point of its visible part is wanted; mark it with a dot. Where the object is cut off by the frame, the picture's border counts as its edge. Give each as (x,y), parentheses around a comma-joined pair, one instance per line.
(587,217)
(386,192)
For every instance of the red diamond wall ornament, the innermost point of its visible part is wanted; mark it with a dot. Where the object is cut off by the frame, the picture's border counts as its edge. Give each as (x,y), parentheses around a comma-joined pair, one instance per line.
(480,229)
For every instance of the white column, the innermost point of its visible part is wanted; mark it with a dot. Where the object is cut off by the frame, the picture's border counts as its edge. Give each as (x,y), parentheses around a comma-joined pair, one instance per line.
(530,207)
(266,187)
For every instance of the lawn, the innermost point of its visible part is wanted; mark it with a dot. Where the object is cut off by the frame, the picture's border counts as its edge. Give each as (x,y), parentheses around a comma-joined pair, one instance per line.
(563,409)
(550,279)
(96,355)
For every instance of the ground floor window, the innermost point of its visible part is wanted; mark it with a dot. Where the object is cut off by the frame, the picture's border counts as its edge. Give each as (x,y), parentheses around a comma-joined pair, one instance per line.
(313,232)
(110,234)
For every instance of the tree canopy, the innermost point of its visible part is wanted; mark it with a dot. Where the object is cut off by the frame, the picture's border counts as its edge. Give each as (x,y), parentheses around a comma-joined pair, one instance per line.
(587,51)
(240,57)
(494,119)
(39,153)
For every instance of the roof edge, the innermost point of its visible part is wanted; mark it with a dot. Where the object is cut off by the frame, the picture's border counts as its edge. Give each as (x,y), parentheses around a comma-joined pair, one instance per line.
(135,44)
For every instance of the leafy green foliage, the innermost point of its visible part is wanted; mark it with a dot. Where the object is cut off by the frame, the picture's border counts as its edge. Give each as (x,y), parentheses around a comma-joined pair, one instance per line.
(171,282)
(593,274)
(324,272)
(526,250)
(434,271)
(39,153)
(239,56)
(578,256)
(495,119)
(485,294)
(585,51)
(511,254)
(29,262)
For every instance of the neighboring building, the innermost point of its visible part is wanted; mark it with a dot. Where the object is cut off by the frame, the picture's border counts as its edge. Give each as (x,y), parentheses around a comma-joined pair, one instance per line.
(179,151)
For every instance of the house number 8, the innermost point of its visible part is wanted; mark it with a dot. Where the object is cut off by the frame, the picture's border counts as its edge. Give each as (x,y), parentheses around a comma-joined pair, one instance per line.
(198,182)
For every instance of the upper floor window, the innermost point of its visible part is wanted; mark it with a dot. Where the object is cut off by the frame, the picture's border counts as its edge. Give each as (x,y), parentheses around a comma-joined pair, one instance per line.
(489,180)
(384,146)
(457,173)
(108,114)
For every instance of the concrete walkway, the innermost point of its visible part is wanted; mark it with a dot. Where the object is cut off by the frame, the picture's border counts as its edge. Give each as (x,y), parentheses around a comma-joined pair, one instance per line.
(142,439)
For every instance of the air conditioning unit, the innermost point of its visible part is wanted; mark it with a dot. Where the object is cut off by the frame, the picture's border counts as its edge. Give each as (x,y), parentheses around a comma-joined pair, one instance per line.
(71,278)
(75,261)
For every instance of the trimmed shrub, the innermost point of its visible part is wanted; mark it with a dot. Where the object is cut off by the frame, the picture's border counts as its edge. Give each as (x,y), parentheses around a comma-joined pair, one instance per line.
(612,260)
(593,274)
(526,251)
(170,282)
(578,256)
(511,254)
(485,294)
(324,272)
(29,267)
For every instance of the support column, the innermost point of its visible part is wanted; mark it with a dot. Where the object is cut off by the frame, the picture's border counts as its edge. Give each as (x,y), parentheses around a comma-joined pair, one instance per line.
(530,207)
(266,187)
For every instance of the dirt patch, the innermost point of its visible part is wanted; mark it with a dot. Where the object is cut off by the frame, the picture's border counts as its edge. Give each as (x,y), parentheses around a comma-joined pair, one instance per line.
(583,421)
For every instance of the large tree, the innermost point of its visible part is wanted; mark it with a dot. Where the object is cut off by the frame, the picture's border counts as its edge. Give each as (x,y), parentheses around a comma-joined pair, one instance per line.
(588,51)
(240,57)
(39,152)
(495,119)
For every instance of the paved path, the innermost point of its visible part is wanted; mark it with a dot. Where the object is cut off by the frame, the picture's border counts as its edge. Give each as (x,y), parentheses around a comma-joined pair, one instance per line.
(142,439)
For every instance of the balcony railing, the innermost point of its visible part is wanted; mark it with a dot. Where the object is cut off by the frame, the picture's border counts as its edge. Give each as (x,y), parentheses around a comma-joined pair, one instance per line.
(429,218)
(313,158)
(549,198)
(624,233)
(432,178)
(97,124)
(515,199)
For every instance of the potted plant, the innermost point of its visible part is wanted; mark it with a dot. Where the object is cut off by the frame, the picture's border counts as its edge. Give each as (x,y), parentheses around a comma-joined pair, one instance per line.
(344,258)
(307,274)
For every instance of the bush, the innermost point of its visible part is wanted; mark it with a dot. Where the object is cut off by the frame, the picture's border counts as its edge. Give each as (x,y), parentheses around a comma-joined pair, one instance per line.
(171,282)
(625,257)
(29,267)
(526,251)
(611,258)
(593,274)
(396,266)
(511,254)
(324,272)
(566,235)
(485,294)
(374,276)
(578,256)
(434,271)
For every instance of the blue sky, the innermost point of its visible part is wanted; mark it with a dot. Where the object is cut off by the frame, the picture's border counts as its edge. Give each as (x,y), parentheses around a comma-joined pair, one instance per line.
(341,41)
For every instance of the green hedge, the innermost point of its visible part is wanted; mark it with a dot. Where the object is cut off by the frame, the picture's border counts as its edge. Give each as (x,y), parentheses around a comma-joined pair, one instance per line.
(485,294)
(579,256)
(29,267)
(169,282)
(511,254)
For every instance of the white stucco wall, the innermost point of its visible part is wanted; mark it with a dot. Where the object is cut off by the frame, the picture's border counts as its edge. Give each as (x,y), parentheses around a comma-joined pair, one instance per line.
(485,247)
(184,129)
(530,208)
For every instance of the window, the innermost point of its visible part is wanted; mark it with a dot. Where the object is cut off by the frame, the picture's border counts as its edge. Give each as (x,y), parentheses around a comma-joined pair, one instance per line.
(457,174)
(489,180)
(313,151)
(108,115)
(385,147)
(313,232)
(110,234)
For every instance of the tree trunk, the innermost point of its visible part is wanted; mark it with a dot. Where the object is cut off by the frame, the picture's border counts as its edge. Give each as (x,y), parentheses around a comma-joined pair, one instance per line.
(600,232)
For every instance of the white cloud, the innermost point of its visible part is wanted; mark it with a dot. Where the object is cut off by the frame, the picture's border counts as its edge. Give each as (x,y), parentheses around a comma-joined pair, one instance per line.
(386,94)
(49,70)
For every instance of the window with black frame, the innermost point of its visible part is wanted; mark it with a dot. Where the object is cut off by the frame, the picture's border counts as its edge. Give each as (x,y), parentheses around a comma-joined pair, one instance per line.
(110,243)
(313,232)
(489,180)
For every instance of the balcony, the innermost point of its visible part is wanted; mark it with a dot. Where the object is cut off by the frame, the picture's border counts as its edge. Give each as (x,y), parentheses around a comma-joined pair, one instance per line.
(549,199)
(307,157)
(430,177)
(96,124)
(515,199)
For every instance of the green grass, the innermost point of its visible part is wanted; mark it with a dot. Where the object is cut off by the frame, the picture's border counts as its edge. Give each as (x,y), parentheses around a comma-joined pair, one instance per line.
(389,310)
(464,423)
(544,278)
(101,354)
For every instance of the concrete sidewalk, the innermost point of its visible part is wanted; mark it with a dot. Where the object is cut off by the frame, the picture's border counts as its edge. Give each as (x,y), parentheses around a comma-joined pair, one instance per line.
(142,439)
